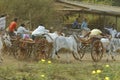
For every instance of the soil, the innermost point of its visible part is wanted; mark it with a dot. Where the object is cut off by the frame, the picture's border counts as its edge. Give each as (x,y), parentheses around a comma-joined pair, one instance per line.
(64,57)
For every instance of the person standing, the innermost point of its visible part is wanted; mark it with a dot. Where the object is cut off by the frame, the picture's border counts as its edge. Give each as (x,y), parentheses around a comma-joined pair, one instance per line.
(12,27)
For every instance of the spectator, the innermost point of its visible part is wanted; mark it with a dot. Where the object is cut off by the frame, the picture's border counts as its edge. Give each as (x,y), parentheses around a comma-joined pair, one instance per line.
(113,26)
(84,25)
(76,24)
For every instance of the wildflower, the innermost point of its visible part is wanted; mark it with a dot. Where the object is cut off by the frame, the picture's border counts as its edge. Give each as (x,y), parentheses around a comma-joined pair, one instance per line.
(98,71)
(107,78)
(42,75)
(93,72)
(42,60)
(49,62)
(107,66)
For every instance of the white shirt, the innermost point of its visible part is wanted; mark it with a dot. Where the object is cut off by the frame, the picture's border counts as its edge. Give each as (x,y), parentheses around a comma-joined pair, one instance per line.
(39,31)
(22,30)
(2,23)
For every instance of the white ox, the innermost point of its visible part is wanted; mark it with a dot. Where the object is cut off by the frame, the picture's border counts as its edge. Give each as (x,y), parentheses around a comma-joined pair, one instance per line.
(114,47)
(105,42)
(52,36)
(69,43)
(4,39)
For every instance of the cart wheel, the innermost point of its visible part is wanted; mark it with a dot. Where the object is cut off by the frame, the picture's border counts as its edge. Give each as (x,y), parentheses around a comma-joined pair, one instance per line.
(75,56)
(42,50)
(97,50)
(81,52)
(45,48)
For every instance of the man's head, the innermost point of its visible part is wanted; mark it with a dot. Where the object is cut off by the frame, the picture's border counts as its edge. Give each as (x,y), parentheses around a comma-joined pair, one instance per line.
(23,25)
(15,19)
(41,24)
(85,19)
(3,15)
(76,19)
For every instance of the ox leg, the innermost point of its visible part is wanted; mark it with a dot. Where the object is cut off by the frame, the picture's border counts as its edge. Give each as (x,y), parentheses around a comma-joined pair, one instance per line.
(111,54)
(1,58)
(67,57)
(108,54)
(57,54)
(53,54)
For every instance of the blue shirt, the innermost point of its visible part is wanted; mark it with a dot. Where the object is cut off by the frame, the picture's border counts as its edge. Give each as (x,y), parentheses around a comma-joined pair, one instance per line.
(84,25)
(75,24)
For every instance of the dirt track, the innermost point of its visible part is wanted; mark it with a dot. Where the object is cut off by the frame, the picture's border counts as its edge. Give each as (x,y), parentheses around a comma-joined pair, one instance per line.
(9,60)
(87,57)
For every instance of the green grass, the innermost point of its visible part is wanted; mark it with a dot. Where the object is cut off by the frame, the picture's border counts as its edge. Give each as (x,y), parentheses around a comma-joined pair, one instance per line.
(60,71)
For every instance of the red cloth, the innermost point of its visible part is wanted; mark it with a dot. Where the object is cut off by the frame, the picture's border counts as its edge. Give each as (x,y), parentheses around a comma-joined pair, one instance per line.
(12,26)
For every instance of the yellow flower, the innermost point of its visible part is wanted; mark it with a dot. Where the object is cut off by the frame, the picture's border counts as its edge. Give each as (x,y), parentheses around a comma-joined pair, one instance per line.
(49,62)
(107,66)
(42,60)
(107,78)
(42,75)
(98,71)
(93,72)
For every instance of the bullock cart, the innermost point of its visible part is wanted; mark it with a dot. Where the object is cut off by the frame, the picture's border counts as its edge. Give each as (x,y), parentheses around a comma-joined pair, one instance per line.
(38,49)
(13,50)
(96,48)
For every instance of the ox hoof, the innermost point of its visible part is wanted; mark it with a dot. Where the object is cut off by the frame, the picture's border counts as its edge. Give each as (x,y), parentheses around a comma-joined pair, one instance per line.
(58,56)
(107,60)
(113,58)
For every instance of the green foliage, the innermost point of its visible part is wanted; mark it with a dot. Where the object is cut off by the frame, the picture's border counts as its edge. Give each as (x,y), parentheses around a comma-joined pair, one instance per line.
(45,70)
(35,11)
(106,72)
(116,2)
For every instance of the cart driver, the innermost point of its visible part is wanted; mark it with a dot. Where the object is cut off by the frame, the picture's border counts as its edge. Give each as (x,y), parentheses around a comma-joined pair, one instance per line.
(94,33)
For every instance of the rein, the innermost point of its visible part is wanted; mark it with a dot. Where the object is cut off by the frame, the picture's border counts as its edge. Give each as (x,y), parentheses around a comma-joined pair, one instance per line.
(49,36)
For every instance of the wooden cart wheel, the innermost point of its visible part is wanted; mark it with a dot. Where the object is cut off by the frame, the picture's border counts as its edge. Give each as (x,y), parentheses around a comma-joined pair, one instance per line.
(44,47)
(43,50)
(75,56)
(97,50)
(81,51)
(20,54)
